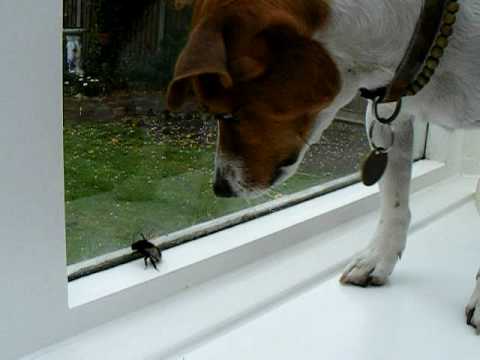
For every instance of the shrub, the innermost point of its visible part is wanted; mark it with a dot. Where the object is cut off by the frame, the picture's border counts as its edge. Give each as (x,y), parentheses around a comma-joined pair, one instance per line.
(84,85)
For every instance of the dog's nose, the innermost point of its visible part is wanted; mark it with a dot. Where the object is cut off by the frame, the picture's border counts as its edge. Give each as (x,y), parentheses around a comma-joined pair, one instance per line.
(222,188)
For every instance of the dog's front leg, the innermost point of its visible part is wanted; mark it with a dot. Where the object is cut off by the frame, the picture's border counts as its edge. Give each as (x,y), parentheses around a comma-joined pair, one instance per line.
(375,264)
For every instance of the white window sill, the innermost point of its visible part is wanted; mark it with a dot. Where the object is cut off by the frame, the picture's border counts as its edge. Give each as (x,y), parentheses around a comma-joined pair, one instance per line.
(229,249)
(204,311)
(418,315)
(187,265)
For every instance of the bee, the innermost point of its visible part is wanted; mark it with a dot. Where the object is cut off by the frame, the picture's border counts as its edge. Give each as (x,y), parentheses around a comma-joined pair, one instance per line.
(148,250)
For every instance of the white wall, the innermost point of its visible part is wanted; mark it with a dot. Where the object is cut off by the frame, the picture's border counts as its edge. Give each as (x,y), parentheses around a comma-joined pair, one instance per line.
(32,249)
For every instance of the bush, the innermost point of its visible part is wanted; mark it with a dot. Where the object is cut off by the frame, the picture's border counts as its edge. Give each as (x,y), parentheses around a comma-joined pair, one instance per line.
(149,72)
(84,85)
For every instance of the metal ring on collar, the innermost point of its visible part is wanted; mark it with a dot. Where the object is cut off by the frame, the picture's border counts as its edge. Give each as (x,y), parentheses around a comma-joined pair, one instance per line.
(386,121)
(382,149)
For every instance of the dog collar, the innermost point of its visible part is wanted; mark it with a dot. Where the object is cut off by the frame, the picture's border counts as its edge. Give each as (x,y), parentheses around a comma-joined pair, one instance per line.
(427,46)
(430,38)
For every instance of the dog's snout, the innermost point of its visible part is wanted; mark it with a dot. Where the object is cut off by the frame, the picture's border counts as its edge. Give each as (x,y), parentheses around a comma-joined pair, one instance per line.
(222,188)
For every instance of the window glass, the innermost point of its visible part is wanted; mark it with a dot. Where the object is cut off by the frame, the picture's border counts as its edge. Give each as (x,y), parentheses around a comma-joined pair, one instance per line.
(131,166)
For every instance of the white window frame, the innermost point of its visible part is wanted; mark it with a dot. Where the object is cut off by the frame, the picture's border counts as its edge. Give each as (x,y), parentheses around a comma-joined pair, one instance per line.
(38,307)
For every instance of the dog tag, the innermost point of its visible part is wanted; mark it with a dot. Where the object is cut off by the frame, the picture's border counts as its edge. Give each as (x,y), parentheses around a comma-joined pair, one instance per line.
(374,167)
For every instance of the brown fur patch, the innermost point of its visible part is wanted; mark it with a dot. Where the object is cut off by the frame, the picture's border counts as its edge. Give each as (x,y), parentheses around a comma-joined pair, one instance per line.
(263,144)
(258,57)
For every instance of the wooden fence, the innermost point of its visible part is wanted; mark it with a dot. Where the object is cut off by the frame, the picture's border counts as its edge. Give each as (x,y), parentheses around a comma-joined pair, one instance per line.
(158,20)
(147,32)
(144,32)
(79,14)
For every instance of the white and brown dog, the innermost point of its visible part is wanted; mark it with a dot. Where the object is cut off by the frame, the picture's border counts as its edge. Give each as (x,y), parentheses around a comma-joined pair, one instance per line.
(283,68)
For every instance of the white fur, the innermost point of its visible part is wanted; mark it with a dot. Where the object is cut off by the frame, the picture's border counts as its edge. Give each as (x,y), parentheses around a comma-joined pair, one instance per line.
(375,264)
(367,39)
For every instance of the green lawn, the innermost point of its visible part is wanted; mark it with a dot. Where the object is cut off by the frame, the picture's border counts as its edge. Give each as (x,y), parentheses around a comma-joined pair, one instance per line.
(120,181)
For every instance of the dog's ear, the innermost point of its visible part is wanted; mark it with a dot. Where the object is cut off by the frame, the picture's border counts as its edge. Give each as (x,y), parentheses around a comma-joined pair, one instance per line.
(301,71)
(202,65)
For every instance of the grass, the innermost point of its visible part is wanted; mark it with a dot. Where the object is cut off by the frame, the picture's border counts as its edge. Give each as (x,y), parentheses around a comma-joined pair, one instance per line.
(120,181)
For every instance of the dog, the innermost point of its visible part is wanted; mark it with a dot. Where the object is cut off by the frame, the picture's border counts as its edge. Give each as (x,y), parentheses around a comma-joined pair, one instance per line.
(282,69)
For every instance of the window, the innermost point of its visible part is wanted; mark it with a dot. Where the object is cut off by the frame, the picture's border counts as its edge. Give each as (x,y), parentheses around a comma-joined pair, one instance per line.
(33,223)
(132,168)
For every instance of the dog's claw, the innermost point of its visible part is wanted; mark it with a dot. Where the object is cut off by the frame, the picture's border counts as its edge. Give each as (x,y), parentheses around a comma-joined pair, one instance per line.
(362,282)
(470,313)
(345,281)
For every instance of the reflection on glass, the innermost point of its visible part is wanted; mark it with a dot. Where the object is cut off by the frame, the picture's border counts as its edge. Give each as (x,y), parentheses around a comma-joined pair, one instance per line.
(131,166)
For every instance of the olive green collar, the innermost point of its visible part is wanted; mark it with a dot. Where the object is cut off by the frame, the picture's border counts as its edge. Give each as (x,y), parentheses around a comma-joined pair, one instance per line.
(434,27)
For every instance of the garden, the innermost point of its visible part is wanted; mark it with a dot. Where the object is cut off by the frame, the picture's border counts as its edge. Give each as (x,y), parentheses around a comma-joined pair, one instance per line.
(131,166)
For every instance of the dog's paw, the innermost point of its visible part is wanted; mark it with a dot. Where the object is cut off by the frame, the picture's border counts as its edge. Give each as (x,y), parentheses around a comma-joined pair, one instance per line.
(472,311)
(371,267)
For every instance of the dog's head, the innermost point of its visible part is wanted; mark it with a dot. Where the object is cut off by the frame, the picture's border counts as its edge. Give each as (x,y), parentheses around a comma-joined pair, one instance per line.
(255,65)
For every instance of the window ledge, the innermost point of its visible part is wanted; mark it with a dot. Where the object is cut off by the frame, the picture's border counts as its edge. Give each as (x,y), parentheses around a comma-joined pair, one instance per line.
(261,237)
(290,255)
(418,315)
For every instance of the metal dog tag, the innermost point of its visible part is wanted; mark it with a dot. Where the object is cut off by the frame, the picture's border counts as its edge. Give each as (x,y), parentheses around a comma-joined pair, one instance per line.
(374,167)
